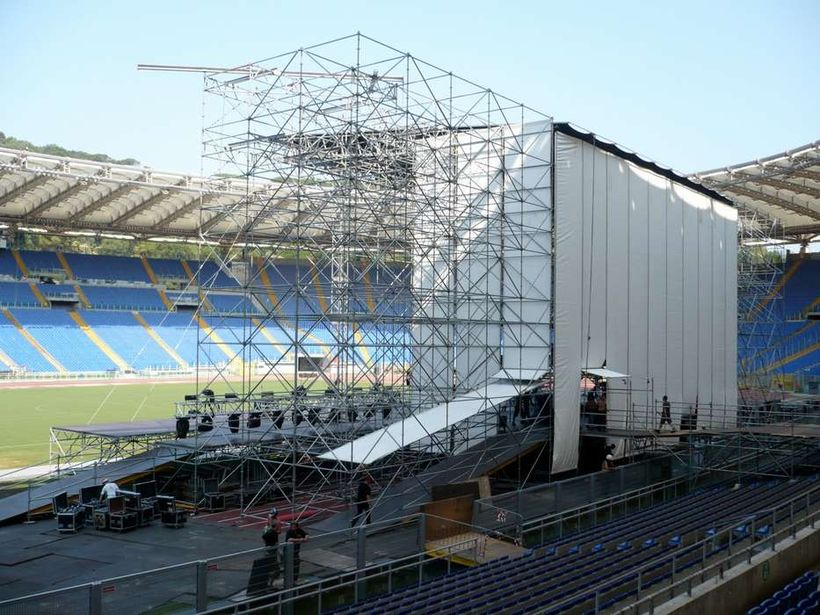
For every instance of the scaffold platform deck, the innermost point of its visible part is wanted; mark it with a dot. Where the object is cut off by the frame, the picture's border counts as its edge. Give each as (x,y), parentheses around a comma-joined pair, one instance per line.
(787,430)
(123,430)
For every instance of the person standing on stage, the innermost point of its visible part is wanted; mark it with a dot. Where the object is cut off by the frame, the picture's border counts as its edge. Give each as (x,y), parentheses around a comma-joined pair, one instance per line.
(666,413)
(296,536)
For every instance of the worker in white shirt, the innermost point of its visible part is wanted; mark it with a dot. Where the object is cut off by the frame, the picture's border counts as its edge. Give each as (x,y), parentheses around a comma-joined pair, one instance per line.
(110,490)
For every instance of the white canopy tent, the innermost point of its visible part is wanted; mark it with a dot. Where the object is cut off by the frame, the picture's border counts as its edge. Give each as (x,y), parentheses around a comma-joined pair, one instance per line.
(602,372)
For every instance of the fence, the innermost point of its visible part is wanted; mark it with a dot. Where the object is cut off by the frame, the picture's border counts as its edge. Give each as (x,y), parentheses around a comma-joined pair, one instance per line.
(538,531)
(506,509)
(222,582)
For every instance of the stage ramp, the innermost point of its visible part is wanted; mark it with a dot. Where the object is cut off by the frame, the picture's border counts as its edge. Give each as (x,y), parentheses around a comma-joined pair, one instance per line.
(421,426)
(408,495)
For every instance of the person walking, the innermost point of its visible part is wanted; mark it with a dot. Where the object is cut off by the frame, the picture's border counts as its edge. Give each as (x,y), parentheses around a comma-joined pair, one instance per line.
(363,495)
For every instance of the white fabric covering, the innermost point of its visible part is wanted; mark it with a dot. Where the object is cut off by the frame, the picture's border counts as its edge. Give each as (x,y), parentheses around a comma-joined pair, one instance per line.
(602,372)
(645,281)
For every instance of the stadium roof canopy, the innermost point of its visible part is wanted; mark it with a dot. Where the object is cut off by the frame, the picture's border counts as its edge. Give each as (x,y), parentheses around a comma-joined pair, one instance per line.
(46,193)
(784,187)
(43,193)
(39,192)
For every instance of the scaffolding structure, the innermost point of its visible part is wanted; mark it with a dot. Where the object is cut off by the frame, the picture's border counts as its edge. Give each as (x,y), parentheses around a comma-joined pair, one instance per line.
(394,250)
(760,309)
(396,258)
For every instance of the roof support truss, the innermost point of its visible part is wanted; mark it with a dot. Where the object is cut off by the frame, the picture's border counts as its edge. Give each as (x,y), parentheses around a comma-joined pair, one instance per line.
(100,203)
(773,200)
(66,193)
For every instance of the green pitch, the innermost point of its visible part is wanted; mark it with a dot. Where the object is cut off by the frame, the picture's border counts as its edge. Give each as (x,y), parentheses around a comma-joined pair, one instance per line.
(27,414)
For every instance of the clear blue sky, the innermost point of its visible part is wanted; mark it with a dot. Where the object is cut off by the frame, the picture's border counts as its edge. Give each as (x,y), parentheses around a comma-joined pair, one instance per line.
(693,85)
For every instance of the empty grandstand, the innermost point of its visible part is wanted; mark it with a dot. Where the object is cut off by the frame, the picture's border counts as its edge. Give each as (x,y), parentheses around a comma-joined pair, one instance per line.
(84,313)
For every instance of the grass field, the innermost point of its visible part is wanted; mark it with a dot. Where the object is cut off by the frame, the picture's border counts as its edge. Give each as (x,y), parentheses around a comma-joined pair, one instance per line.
(27,414)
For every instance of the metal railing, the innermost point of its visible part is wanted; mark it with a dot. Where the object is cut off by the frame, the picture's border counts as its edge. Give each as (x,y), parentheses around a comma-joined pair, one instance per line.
(507,509)
(558,525)
(219,582)
(710,557)
(366,582)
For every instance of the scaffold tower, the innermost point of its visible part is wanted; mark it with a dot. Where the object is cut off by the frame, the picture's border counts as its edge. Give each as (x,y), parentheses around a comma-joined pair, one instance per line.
(393,248)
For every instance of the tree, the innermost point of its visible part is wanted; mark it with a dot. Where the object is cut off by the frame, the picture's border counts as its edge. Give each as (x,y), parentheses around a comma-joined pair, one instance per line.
(57,150)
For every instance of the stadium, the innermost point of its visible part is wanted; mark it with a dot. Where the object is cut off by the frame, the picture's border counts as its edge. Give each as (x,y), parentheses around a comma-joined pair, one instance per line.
(483,360)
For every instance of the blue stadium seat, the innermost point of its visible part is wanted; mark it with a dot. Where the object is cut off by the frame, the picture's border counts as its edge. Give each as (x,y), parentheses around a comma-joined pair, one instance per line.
(21,351)
(168,268)
(123,298)
(17,294)
(116,285)
(121,331)
(42,261)
(92,267)
(59,334)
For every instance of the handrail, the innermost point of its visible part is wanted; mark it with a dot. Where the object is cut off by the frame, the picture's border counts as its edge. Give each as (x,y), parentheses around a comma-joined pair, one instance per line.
(727,531)
(361,574)
(671,590)
(494,502)
(620,497)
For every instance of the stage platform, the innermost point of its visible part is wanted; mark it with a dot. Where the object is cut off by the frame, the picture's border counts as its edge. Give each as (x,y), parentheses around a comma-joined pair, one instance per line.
(160,435)
(221,436)
(124,470)
(133,429)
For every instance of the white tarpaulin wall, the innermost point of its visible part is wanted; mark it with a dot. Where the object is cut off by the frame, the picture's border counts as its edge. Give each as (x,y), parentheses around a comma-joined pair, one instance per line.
(645,283)
(482,277)
(483,265)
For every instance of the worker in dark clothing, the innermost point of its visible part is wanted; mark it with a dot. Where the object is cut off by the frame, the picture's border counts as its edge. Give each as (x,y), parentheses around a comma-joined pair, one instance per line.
(270,536)
(296,536)
(666,413)
(363,494)
(591,410)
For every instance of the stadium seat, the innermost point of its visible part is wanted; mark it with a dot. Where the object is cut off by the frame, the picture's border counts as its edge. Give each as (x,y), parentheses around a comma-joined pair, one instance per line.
(555,573)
